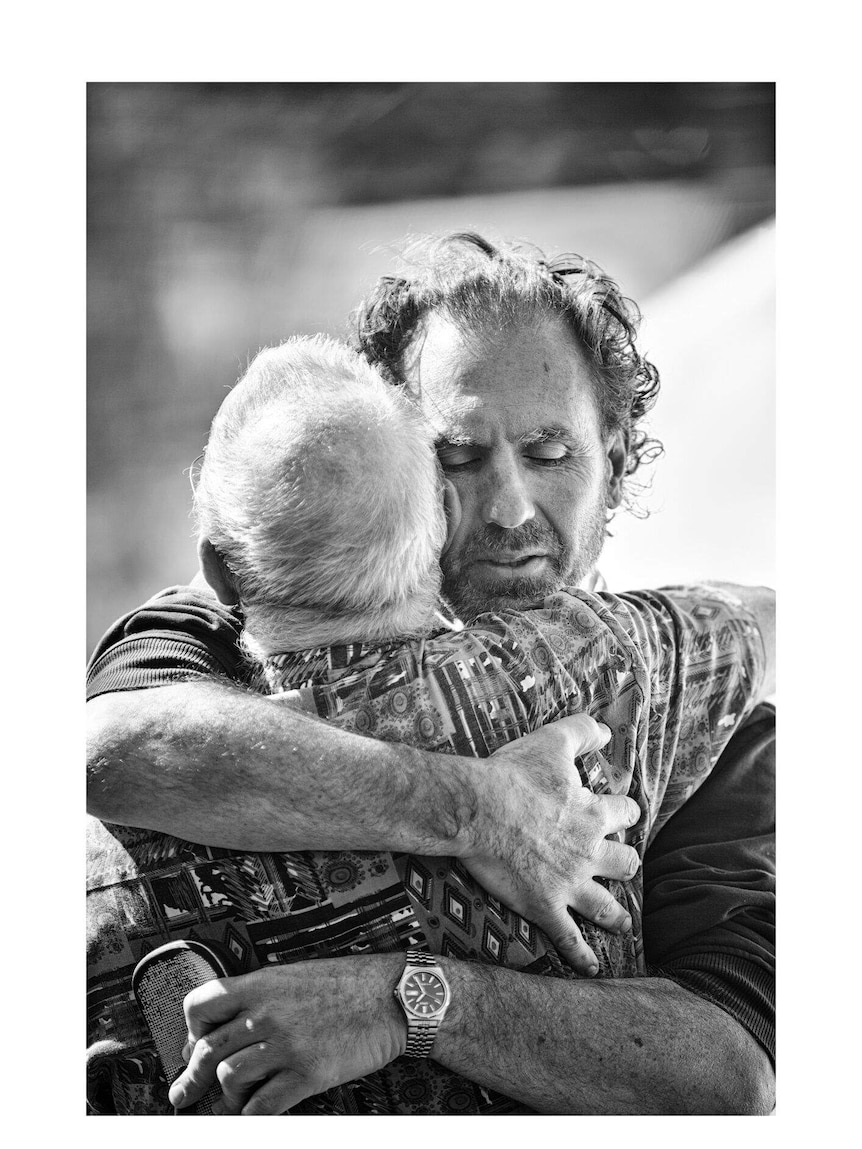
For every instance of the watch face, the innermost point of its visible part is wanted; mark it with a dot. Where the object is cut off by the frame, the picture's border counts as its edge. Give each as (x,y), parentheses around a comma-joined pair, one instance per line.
(424,993)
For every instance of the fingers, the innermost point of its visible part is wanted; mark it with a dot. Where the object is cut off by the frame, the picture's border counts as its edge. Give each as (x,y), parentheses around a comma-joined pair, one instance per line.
(208,1051)
(581,732)
(620,812)
(594,903)
(277,1095)
(208,1005)
(570,944)
(251,1087)
(240,1073)
(615,860)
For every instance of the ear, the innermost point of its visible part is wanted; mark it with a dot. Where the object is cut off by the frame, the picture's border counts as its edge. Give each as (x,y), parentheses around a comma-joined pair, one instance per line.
(617,455)
(452,507)
(216,573)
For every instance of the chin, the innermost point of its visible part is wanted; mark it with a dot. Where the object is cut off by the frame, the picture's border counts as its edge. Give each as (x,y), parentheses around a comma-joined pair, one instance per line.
(473,599)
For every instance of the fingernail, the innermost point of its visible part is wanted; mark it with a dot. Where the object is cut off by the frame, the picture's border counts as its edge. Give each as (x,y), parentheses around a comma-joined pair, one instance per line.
(626,926)
(592,970)
(186,1053)
(177,1096)
(605,731)
(218,1108)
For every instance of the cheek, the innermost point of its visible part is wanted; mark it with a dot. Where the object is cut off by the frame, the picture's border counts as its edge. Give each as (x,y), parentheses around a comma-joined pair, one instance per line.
(467,506)
(567,506)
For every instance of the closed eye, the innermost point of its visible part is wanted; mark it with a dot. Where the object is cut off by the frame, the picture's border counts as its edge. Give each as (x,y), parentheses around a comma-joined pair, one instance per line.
(547,454)
(458,457)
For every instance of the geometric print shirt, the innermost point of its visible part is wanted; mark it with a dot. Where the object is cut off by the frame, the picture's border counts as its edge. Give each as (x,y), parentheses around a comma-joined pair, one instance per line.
(672,673)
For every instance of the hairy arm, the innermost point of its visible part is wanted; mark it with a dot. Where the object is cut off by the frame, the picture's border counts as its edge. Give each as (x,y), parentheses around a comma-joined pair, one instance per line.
(219,765)
(216,764)
(633,1046)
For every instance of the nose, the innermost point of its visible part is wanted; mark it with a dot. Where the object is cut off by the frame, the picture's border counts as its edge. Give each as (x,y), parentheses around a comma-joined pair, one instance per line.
(507,500)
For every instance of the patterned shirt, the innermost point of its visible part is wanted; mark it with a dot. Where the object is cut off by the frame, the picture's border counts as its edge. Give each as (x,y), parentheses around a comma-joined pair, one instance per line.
(673,674)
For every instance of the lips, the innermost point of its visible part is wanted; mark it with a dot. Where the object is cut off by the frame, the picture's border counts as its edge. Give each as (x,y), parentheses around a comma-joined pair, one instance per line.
(509,567)
(501,558)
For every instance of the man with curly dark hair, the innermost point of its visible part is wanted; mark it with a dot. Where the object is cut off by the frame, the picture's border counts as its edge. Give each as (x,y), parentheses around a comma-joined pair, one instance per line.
(529,373)
(491,304)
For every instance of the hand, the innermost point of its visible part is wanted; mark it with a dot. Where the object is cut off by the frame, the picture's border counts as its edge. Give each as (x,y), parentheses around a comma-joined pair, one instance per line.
(539,836)
(281,1034)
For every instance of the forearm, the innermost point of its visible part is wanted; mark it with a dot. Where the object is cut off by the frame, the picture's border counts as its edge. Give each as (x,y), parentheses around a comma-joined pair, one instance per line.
(222,766)
(631,1046)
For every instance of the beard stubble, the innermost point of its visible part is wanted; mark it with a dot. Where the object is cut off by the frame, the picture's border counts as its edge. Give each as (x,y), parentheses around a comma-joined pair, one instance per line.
(570,565)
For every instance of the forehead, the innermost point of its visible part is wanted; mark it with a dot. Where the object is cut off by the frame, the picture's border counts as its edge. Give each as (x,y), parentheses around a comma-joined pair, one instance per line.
(491,383)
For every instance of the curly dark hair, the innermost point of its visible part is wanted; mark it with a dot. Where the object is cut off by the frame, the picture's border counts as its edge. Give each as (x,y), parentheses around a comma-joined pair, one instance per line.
(474,282)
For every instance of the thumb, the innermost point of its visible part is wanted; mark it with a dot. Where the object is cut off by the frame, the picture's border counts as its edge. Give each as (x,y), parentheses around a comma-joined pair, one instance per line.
(570,943)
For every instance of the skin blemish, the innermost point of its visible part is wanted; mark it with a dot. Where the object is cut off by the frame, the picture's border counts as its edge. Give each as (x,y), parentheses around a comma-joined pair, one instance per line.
(546,367)
(638,1042)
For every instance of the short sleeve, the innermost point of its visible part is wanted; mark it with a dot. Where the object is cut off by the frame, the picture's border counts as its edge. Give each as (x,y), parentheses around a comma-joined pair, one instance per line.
(709,885)
(706,663)
(179,634)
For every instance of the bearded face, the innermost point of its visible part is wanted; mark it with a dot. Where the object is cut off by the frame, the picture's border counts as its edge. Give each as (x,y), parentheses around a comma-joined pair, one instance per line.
(519,437)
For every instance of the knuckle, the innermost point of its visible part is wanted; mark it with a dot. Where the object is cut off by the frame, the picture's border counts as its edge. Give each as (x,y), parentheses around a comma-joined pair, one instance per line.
(596,807)
(226,1073)
(585,723)
(205,1049)
(593,842)
(575,944)
(606,911)
(192,1003)
(311,1081)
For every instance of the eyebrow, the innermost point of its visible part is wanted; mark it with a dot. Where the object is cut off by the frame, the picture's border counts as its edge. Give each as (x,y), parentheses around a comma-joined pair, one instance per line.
(553,434)
(443,441)
(556,433)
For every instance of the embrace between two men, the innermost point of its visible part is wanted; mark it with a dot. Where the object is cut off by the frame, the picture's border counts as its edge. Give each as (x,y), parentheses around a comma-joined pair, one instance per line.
(323,534)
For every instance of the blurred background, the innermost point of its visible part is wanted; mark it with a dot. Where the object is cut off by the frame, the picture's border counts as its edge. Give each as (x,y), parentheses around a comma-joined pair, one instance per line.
(225,217)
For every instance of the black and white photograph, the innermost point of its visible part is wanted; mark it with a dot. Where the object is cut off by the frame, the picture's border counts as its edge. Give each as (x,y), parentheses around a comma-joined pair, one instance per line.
(430,630)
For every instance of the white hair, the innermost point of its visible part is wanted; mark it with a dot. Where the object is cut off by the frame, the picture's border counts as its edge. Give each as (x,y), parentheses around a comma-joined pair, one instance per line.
(320,491)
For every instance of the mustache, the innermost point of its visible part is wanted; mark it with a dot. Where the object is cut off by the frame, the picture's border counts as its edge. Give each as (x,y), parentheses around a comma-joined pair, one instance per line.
(491,539)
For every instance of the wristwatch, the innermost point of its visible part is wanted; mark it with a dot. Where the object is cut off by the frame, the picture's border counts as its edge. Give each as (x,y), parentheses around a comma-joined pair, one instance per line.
(424,994)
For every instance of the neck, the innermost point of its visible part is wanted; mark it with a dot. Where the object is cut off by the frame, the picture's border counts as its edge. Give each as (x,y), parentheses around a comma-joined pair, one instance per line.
(277,630)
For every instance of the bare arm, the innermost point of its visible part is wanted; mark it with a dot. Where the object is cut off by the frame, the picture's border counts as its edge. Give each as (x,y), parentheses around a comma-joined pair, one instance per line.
(632,1046)
(220,765)
(217,764)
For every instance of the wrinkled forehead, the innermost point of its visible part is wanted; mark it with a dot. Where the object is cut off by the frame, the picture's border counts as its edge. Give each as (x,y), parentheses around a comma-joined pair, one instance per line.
(487,381)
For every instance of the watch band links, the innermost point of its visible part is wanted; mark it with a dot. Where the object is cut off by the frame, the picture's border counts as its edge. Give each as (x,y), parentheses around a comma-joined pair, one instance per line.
(420,957)
(420,1033)
(420,1038)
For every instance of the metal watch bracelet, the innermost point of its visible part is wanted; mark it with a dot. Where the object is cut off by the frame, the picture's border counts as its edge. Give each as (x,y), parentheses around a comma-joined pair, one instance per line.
(420,1033)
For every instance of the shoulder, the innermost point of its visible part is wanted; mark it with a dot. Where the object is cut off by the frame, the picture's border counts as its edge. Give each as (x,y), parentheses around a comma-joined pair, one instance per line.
(181,631)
